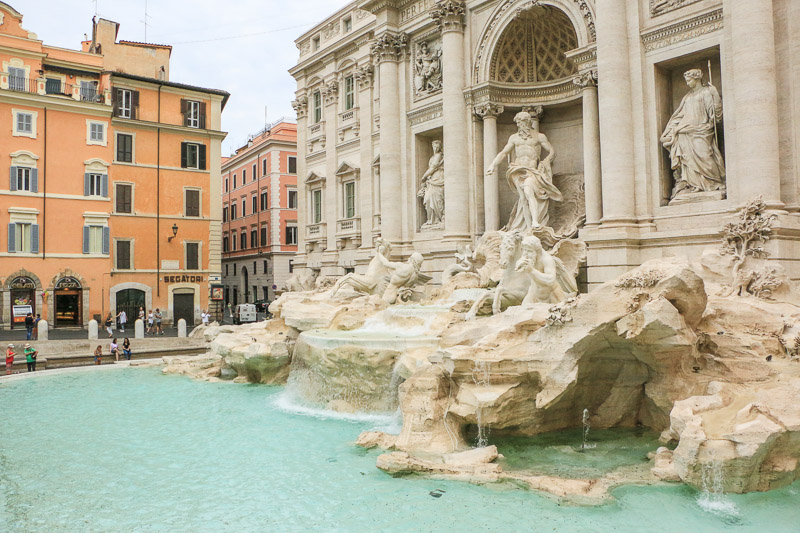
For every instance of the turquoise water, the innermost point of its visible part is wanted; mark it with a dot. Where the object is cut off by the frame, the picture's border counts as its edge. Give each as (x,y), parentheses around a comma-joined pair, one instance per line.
(132,450)
(559,453)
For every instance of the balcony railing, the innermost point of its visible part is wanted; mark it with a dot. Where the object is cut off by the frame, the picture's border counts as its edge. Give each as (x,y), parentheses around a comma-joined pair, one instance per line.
(23,85)
(348,226)
(53,87)
(316,232)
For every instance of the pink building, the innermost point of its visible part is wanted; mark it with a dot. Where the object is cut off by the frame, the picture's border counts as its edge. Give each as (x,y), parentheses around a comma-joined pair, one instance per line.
(259,215)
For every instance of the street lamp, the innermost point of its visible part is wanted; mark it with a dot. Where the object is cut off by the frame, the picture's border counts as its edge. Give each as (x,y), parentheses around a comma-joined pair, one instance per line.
(174,233)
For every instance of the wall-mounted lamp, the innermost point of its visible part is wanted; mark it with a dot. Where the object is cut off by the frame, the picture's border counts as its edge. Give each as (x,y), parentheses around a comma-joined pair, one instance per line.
(174,233)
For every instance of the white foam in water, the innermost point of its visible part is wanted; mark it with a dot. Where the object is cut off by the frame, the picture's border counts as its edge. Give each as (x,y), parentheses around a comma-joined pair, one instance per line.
(288,402)
(713,499)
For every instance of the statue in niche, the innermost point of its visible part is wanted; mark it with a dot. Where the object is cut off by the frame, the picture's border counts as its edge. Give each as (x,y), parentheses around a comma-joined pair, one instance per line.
(691,138)
(432,191)
(427,70)
(404,277)
(550,282)
(375,279)
(531,176)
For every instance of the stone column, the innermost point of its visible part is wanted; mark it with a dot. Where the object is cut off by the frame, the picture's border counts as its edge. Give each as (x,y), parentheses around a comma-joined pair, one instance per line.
(364,75)
(300,106)
(449,17)
(388,49)
(491,192)
(756,95)
(591,148)
(616,122)
(330,203)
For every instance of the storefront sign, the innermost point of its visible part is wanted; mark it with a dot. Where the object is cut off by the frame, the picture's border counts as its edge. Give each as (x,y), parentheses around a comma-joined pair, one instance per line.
(217,292)
(183,279)
(68,283)
(20,312)
(22,283)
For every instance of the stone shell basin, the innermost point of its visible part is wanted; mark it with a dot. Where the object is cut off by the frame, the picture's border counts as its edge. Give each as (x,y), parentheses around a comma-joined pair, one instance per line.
(355,370)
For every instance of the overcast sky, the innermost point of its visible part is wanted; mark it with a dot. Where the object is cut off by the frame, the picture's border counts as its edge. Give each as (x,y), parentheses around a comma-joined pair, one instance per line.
(244,47)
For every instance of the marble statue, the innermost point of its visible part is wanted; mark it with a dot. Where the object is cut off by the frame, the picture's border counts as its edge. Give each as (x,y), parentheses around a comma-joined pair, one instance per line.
(513,285)
(427,70)
(691,138)
(374,280)
(302,281)
(404,277)
(549,280)
(432,191)
(531,176)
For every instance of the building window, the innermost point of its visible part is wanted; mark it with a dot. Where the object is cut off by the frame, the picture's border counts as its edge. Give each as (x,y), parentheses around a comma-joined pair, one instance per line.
(25,123)
(225,213)
(194,113)
(192,202)
(291,235)
(264,167)
(16,79)
(349,93)
(347,24)
(234,271)
(264,233)
(244,176)
(254,199)
(95,240)
(244,207)
(264,200)
(95,132)
(253,241)
(317,107)
(233,210)
(255,171)
(95,184)
(192,256)
(21,180)
(316,206)
(292,165)
(193,155)
(89,91)
(291,266)
(265,294)
(233,248)
(350,199)
(243,241)
(315,43)
(226,184)
(292,199)
(267,267)
(225,245)
(126,103)
(123,255)
(123,196)
(124,148)
(23,237)
(234,181)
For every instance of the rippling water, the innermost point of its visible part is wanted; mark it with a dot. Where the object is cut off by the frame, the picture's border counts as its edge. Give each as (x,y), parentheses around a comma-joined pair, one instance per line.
(132,450)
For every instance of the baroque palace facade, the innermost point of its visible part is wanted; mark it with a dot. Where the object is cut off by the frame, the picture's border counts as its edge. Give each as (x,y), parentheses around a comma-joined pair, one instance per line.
(112,198)
(661,117)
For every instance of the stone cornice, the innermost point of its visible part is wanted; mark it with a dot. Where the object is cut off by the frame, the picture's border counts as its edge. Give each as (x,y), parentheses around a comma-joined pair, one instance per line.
(681,31)
(389,46)
(425,114)
(512,96)
(449,15)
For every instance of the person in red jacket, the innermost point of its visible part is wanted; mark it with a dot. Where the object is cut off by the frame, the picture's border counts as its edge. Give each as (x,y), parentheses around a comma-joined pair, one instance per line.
(10,353)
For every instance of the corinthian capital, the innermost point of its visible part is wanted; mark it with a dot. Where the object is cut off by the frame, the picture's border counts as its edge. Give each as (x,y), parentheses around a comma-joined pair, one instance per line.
(300,106)
(330,92)
(488,110)
(586,79)
(449,15)
(389,46)
(364,74)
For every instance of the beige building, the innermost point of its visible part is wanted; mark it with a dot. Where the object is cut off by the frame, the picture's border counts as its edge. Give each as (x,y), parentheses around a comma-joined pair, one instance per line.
(620,89)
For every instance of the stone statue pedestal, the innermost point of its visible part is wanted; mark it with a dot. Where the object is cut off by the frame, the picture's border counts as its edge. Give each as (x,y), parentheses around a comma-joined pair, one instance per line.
(694,197)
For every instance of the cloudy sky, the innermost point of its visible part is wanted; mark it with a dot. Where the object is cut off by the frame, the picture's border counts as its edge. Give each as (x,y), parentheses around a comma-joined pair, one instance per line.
(242,46)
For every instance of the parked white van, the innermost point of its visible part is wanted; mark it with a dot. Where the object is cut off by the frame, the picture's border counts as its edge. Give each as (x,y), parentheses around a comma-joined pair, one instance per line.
(244,313)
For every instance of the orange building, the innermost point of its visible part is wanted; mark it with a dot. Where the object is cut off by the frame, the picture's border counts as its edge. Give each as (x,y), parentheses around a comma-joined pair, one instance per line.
(259,214)
(108,204)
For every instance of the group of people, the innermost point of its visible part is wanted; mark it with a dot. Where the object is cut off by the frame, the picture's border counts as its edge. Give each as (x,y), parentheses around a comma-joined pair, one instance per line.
(114,349)
(28,351)
(153,319)
(32,326)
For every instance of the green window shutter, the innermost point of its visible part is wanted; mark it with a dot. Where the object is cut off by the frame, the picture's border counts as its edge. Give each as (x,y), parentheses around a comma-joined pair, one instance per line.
(202,157)
(184,156)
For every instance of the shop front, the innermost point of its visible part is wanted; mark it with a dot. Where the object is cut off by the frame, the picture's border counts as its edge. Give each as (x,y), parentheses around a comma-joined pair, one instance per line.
(23,300)
(68,295)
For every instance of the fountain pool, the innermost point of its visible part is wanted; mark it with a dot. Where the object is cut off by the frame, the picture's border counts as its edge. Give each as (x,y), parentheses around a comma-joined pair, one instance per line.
(132,450)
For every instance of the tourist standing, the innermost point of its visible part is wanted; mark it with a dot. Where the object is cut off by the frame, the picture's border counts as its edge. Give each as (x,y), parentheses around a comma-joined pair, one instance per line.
(141,315)
(204,318)
(109,322)
(122,316)
(98,354)
(150,319)
(10,353)
(115,349)
(29,325)
(126,348)
(30,357)
(158,317)
(36,326)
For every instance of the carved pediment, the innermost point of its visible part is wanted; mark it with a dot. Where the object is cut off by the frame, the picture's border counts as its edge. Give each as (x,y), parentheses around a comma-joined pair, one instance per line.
(313,177)
(346,169)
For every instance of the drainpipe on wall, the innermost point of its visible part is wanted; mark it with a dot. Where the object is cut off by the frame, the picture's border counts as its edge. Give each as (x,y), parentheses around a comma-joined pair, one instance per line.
(158,198)
(44,194)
